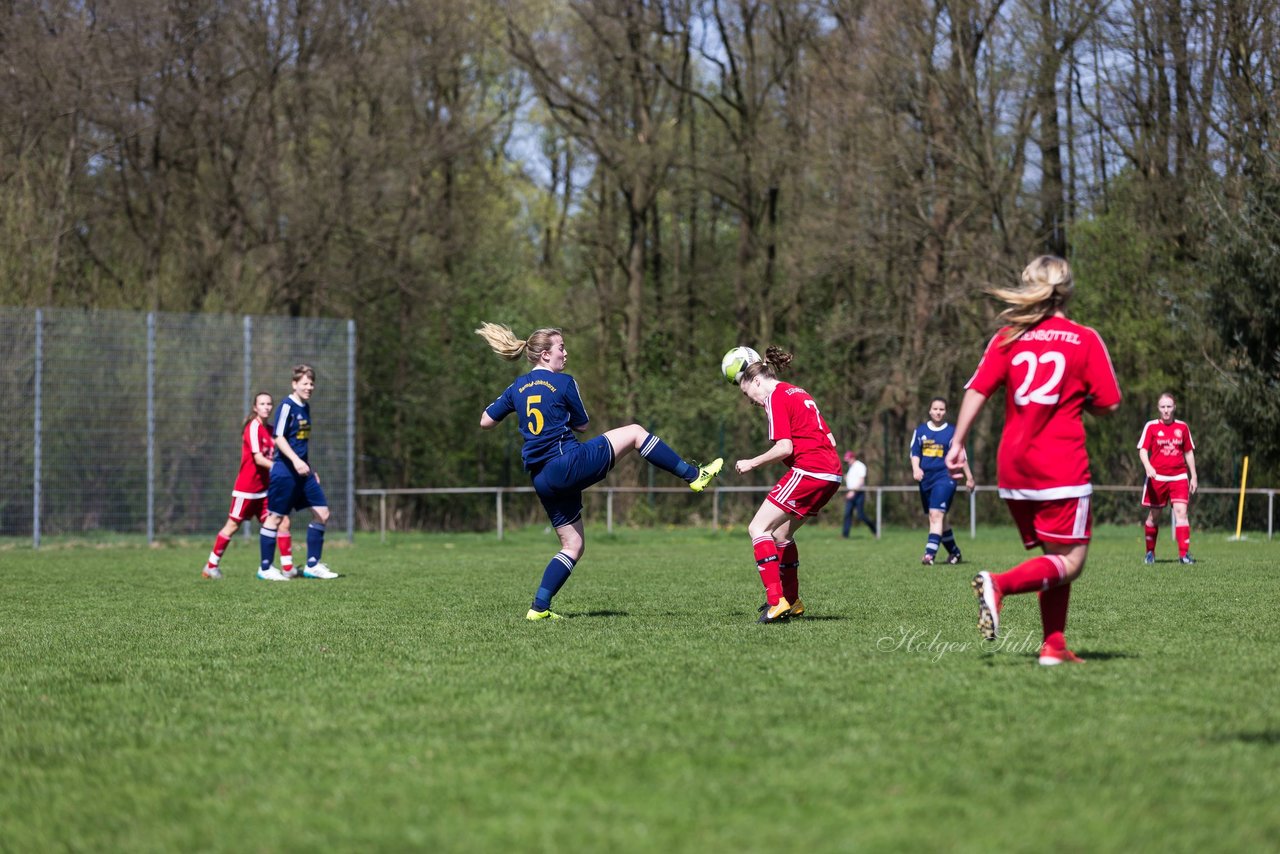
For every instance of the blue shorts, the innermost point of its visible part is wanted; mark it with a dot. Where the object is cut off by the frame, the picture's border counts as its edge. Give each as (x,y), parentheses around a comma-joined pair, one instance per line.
(559,483)
(289,491)
(936,493)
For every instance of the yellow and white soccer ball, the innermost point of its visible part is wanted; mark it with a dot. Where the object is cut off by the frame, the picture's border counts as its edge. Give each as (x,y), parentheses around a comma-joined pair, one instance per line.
(736,361)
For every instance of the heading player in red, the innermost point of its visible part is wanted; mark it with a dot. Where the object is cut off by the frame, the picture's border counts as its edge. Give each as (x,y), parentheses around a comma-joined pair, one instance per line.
(1052,370)
(249,496)
(1168,455)
(802,440)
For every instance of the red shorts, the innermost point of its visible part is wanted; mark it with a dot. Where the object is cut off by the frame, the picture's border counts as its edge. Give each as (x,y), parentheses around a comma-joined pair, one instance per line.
(1158,493)
(802,495)
(245,508)
(1063,520)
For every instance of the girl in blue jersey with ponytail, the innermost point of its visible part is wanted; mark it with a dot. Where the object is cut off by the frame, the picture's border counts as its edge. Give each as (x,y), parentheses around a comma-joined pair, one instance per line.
(551,414)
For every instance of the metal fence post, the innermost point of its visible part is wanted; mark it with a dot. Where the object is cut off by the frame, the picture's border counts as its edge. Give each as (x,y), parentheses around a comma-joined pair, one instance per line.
(498,495)
(351,430)
(608,510)
(151,427)
(382,516)
(1271,507)
(879,523)
(973,510)
(248,386)
(35,475)
(248,363)
(715,511)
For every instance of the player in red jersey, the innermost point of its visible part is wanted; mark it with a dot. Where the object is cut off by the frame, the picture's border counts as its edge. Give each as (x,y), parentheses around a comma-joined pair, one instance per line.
(249,495)
(1052,370)
(801,440)
(1168,455)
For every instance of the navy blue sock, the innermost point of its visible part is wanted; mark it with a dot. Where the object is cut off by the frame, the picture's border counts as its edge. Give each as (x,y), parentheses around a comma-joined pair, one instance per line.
(267,545)
(931,548)
(553,578)
(949,540)
(660,454)
(315,543)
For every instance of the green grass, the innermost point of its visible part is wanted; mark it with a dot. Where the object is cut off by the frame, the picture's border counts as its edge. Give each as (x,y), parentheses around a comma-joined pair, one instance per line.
(408,705)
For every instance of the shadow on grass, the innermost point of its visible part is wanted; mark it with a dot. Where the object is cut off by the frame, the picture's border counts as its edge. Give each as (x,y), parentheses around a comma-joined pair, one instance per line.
(814,618)
(1268,737)
(1103,655)
(579,614)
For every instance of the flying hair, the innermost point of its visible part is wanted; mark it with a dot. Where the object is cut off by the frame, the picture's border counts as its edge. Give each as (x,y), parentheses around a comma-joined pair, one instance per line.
(775,360)
(505,343)
(1046,287)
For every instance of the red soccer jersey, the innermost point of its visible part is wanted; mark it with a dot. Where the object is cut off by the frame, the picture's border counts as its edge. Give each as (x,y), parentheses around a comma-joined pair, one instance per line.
(1166,446)
(794,415)
(253,478)
(1050,372)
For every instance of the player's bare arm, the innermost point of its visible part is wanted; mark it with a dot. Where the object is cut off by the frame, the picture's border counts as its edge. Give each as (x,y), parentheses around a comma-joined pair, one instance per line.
(1146,462)
(957,460)
(1193,481)
(299,464)
(780,451)
(486,422)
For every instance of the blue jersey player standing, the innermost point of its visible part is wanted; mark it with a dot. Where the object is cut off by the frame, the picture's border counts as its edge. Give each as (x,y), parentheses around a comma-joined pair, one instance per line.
(550,412)
(929,446)
(294,484)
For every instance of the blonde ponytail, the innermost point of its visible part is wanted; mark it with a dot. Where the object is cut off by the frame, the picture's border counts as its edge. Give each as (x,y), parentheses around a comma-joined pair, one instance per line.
(1046,287)
(505,343)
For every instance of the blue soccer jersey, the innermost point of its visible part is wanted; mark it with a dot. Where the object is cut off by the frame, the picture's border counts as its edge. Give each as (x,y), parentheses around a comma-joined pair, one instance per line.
(293,425)
(931,444)
(549,407)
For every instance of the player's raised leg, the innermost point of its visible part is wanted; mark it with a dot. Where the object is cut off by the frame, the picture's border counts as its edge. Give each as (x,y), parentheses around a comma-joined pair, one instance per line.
(658,453)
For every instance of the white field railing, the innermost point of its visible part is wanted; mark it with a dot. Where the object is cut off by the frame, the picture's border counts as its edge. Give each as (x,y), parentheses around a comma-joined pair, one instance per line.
(610,491)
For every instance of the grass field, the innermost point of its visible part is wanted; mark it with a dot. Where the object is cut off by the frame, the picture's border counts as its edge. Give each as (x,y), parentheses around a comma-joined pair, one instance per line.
(408,705)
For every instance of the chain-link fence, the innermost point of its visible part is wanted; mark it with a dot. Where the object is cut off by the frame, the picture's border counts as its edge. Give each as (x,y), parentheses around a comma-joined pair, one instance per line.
(126,422)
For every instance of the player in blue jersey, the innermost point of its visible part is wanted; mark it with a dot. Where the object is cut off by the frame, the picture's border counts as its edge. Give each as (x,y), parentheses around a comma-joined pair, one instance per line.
(929,446)
(294,484)
(551,414)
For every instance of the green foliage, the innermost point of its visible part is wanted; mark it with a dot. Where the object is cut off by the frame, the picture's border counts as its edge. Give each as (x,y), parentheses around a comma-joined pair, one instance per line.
(1241,266)
(408,704)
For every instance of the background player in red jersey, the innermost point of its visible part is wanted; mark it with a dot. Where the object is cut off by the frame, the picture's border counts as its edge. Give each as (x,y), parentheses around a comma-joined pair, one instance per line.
(802,440)
(1052,370)
(1168,455)
(249,495)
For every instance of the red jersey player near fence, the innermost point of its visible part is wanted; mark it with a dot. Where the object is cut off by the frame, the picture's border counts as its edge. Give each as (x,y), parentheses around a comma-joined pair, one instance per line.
(802,441)
(1052,370)
(249,495)
(1168,455)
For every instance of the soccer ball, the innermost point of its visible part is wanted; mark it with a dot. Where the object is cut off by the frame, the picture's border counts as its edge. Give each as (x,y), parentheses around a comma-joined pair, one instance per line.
(735,361)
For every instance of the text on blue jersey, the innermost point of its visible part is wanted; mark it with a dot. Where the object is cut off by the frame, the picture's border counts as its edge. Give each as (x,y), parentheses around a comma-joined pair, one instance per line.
(293,424)
(549,406)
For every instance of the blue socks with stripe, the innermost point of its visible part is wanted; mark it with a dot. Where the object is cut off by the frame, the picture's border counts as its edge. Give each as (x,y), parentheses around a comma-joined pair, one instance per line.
(949,542)
(659,453)
(315,543)
(267,546)
(553,578)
